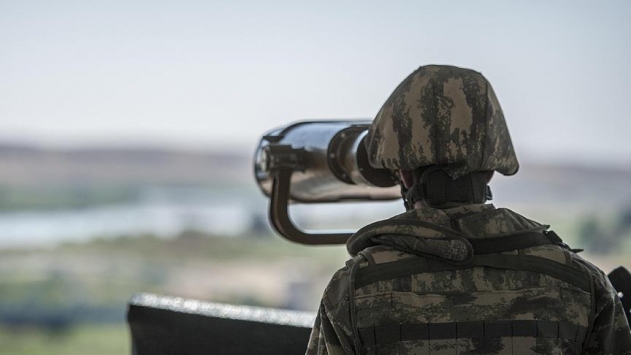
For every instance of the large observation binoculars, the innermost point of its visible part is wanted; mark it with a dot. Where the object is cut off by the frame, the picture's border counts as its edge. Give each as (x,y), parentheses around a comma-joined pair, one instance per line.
(317,162)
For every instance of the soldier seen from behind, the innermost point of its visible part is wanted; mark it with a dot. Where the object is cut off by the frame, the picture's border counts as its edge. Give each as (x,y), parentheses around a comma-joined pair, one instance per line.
(453,274)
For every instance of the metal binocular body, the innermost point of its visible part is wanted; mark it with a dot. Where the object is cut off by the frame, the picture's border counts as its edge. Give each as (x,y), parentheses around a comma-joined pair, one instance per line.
(317,162)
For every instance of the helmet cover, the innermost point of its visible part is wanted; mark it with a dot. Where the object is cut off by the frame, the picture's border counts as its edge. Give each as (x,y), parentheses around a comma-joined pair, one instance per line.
(446,116)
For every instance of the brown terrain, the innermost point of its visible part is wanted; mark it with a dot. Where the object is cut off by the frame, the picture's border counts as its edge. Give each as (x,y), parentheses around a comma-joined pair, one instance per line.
(572,186)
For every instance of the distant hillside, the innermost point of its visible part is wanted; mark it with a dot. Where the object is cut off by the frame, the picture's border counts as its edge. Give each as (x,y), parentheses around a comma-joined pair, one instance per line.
(554,186)
(24,166)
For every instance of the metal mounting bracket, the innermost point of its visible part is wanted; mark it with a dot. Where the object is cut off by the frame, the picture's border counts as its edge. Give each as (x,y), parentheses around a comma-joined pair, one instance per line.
(282,223)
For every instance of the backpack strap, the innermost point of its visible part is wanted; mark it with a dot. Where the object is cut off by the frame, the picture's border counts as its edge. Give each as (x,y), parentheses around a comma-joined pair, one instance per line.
(396,269)
(482,330)
(514,242)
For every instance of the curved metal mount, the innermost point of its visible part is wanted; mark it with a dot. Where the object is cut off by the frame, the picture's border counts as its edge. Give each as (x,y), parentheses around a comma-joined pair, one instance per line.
(282,223)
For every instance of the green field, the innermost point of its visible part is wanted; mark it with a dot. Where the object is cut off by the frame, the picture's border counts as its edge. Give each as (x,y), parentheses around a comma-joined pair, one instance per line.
(80,340)
(72,298)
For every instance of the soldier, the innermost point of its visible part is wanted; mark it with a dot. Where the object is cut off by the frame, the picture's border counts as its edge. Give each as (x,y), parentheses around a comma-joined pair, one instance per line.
(454,275)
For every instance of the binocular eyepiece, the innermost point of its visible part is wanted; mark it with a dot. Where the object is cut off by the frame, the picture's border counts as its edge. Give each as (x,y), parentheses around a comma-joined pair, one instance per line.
(316,162)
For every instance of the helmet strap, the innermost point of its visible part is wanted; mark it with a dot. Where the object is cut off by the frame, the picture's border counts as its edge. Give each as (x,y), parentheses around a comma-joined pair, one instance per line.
(436,188)
(407,202)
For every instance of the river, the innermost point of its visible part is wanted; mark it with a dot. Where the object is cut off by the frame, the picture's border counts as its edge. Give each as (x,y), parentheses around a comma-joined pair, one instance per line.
(166,212)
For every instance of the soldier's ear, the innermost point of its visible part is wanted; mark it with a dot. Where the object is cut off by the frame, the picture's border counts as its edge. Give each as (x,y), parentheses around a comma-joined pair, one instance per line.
(407,178)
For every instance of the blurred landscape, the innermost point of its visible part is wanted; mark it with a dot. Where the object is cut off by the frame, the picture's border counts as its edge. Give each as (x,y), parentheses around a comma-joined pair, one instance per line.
(83,230)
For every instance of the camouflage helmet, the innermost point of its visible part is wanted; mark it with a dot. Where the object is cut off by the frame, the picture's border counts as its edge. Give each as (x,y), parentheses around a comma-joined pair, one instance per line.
(442,115)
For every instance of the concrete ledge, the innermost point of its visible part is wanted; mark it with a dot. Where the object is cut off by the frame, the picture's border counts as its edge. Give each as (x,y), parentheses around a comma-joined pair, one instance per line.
(174,325)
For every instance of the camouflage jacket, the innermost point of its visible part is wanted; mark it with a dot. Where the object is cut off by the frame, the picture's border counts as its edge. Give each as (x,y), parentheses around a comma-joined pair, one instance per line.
(416,286)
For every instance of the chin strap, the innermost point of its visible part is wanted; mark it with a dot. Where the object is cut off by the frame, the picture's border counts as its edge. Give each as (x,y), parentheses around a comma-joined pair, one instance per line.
(406,200)
(437,188)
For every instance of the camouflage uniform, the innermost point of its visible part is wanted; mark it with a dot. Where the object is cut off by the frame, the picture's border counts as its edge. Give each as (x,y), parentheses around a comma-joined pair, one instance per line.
(458,279)
(412,289)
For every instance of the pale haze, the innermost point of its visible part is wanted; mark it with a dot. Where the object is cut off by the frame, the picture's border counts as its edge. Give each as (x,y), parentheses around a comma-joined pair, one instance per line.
(208,74)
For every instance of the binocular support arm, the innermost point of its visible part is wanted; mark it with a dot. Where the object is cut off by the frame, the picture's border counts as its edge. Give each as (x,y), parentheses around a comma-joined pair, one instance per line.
(282,223)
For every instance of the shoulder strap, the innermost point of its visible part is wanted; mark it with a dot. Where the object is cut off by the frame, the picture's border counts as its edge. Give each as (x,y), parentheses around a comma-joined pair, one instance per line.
(392,270)
(514,242)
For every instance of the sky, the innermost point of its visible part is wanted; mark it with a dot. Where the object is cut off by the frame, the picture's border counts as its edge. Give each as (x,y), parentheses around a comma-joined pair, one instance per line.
(219,74)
